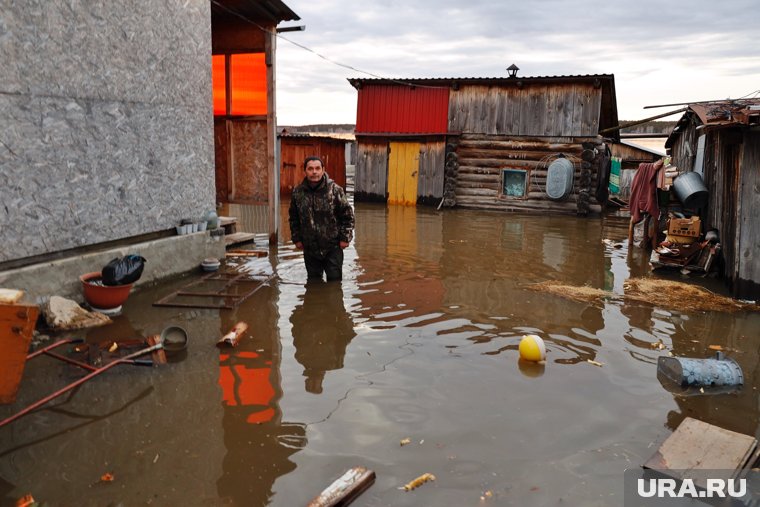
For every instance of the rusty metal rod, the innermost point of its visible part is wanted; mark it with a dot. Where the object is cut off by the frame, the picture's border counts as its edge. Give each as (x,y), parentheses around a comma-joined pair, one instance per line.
(71,361)
(52,346)
(78,383)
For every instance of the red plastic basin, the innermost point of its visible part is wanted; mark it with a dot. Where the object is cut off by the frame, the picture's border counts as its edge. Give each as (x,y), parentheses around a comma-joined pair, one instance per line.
(101,296)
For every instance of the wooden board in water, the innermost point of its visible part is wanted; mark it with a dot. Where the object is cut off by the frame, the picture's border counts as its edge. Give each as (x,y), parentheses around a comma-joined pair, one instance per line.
(696,445)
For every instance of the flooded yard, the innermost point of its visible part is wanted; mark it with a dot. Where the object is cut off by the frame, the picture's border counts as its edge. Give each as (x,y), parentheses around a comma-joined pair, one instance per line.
(419,341)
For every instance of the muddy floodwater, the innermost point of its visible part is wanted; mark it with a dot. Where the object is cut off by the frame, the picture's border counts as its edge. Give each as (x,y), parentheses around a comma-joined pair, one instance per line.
(420,341)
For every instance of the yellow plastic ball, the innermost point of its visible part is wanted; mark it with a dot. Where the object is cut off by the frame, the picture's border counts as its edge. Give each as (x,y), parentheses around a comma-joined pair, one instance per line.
(532,348)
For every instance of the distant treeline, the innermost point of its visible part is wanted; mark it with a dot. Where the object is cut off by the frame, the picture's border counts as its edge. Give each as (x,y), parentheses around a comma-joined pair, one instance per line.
(653,127)
(339,128)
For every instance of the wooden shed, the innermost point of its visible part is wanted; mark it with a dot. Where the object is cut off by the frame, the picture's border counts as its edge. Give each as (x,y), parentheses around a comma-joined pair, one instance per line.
(243,72)
(721,141)
(401,138)
(484,142)
(295,147)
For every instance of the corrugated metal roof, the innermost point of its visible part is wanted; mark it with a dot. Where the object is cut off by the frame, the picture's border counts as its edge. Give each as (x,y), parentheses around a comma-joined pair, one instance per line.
(320,135)
(449,81)
(719,113)
(728,112)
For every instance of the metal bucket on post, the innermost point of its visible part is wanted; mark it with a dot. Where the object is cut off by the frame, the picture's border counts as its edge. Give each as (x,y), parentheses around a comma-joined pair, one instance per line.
(712,372)
(691,190)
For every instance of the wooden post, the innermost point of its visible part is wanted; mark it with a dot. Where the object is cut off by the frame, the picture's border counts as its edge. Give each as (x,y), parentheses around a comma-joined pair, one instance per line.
(270,47)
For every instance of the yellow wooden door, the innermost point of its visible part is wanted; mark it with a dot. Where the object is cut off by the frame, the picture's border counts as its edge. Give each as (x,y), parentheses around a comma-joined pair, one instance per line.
(403,171)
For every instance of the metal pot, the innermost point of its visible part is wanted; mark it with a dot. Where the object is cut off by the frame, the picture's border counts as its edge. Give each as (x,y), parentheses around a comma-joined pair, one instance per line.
(691,190)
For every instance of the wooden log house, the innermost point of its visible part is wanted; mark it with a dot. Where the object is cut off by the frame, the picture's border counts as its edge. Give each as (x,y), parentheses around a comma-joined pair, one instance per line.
(484,143)
(720,140)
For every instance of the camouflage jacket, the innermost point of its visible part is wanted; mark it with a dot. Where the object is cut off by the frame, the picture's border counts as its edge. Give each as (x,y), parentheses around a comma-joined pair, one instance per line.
(320,217)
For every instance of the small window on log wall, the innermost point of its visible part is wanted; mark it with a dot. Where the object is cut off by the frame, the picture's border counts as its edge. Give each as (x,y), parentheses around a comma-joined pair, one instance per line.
(513,182)
(247,76)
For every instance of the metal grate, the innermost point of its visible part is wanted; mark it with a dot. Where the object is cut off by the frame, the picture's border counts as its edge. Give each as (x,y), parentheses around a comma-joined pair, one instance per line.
(216,290)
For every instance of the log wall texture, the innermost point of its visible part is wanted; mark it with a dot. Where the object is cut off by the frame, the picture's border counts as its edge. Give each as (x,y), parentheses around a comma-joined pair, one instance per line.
(481,159)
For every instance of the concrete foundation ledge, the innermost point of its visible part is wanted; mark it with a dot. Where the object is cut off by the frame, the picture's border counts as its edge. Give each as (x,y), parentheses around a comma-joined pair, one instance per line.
(165,257)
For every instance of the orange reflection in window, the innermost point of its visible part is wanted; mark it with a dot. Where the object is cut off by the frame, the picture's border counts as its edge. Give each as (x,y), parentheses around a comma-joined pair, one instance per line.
(248,84)
(218,80)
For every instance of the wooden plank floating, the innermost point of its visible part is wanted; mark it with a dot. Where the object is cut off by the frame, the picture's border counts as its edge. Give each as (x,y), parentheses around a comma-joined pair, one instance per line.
(247,253)
(696,445)
(345,489)
(232,338)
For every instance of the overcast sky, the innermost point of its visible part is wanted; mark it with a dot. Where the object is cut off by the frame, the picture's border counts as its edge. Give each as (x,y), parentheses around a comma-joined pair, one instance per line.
(660,52)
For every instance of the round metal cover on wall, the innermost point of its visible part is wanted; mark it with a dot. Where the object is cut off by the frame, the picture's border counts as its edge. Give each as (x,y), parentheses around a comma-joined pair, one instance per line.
(559,179)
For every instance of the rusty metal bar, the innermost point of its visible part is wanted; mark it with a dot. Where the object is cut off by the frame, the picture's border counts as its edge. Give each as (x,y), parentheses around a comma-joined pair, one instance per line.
(52,346)
(125,359)
(211,294)
(71,361)
(195,305)
(229,279)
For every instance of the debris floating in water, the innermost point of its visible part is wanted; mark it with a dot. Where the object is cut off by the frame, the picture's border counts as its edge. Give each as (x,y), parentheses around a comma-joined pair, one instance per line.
(405,441)
(680,296)
(663,293)
(583,294)
(419,481)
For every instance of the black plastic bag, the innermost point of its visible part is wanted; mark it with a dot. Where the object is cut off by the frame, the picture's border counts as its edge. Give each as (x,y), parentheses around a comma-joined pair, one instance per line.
(122,271)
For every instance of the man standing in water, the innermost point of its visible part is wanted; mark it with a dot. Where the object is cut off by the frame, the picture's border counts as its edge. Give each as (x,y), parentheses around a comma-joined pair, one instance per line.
(321,221)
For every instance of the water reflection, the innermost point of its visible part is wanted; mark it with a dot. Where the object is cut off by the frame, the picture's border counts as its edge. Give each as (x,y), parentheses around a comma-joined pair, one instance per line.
(322,329)
(259,444)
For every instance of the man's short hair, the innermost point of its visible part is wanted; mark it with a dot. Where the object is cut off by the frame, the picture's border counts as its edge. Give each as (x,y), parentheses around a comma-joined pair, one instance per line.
(309,159)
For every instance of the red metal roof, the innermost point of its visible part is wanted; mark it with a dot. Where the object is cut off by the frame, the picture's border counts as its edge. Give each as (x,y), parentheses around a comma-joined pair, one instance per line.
(402,109)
